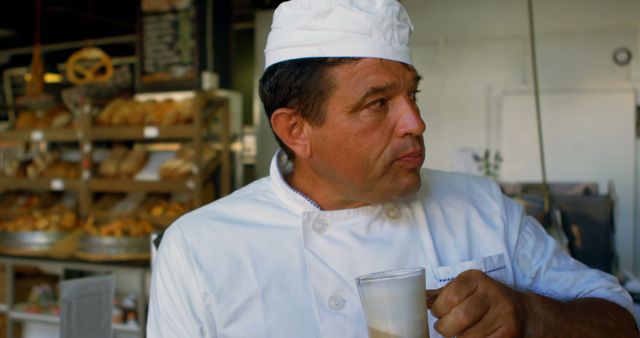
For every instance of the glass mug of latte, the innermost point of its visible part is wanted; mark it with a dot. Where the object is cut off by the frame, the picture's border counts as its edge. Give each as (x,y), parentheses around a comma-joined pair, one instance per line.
(394,303)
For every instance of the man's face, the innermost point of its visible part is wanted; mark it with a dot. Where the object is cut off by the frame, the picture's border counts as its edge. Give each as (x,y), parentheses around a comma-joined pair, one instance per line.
(370,148)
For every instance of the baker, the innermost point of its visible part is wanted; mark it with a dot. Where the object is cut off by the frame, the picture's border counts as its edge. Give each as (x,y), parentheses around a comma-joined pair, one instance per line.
(347,195)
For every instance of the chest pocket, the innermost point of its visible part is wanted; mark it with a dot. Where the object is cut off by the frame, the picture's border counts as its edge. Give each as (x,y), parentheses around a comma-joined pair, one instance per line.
(494,266)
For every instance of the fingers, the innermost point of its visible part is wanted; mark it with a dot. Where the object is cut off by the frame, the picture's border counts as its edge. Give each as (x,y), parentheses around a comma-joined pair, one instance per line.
(432,292)
(460,306)
(466,319)
(475,305)
(456,292)
(491,327)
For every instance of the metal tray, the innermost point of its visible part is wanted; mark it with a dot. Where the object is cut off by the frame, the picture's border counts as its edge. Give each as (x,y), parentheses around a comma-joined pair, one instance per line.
(30,240)
(114,246)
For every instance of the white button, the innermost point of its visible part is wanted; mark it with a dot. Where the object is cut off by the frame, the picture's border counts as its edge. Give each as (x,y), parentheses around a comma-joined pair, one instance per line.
(392,212)
(336,302)
(319,225)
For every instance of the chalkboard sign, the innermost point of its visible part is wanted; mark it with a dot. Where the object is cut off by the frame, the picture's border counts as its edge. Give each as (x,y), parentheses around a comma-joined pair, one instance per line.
(169,50)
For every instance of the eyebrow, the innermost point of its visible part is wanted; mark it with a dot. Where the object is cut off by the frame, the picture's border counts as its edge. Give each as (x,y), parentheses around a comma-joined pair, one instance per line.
(379,89)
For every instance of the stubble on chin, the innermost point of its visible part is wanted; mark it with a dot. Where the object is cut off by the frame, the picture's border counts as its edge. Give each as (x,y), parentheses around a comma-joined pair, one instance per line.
(402,188)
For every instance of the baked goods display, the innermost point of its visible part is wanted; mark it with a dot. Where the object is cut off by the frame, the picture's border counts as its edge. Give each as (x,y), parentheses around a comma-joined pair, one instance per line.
(129,112)
(163,210)
(176,169)
(118,238)
(60,169)
(119,227)
(24,212)
(160,210)
(123,162)
(184,164)
(14,167)
(42,165)
(54,219)
(56,117)
(123,232)
(166,209)
(130,165)
(16,203)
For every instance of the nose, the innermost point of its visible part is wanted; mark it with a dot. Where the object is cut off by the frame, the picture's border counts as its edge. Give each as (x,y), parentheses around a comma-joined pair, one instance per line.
(410,122)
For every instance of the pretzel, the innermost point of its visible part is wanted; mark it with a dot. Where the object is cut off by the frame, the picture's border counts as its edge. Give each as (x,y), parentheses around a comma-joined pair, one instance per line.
(84,66)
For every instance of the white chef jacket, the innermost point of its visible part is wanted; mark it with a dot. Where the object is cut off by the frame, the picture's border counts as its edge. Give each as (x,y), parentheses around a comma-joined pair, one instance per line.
(267,262)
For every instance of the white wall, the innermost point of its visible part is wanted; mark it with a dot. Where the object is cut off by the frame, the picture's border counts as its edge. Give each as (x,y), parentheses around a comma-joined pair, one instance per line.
(469,50)
(473,52)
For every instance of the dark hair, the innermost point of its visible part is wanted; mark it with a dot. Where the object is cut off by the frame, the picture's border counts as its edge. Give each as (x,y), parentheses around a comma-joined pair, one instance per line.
(301,84)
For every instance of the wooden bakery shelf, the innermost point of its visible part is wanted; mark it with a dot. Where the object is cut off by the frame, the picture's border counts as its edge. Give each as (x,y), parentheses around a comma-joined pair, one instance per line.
(209,168)
(124,185)
(69,134)
(179,132)
(48,184)
(210,125)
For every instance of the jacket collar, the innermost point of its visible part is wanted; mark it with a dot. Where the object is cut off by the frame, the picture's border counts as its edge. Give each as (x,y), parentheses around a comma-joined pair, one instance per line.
(281,166)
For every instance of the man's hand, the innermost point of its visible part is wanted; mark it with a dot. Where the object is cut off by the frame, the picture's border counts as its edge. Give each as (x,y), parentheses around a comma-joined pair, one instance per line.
(475,305)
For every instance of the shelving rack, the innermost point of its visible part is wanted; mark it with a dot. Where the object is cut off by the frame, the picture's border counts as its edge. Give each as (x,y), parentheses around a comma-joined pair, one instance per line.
(207,106)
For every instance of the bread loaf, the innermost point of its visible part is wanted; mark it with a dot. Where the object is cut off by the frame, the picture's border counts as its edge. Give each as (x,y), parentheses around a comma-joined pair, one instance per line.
(110,167)
(106,115)
(186,111)
(133,162)
(26,120)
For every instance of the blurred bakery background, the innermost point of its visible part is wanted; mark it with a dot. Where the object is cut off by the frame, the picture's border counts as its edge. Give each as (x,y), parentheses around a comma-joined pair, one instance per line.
(117,117)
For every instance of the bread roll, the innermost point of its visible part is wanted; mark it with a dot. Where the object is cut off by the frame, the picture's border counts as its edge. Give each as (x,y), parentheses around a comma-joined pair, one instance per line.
(62,169)
(152,116)
(11,168)
(186,111)
(168,111)
(133,162)
(43,120)
(61,120)
(55,170)
(134,113)
(120,116)
(58,116)
(105,116)
(110,166)
(175,169)
(26,120)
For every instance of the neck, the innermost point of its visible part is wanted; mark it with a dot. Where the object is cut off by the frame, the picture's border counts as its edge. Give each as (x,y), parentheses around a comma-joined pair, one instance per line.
(323,193)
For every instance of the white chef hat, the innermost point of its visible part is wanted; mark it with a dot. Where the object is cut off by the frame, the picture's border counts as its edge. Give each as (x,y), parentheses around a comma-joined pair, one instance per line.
(339,28)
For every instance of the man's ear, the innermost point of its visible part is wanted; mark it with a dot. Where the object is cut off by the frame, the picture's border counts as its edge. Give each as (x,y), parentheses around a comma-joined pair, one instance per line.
(291,129)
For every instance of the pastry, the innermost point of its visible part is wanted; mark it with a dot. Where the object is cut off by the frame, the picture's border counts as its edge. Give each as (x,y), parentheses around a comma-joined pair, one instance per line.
(133,162)
(26,120)
(186,111)
(110,167)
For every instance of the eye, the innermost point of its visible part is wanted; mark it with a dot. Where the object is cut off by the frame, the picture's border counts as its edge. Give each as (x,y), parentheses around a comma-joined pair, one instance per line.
(414,95)
(378,104)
